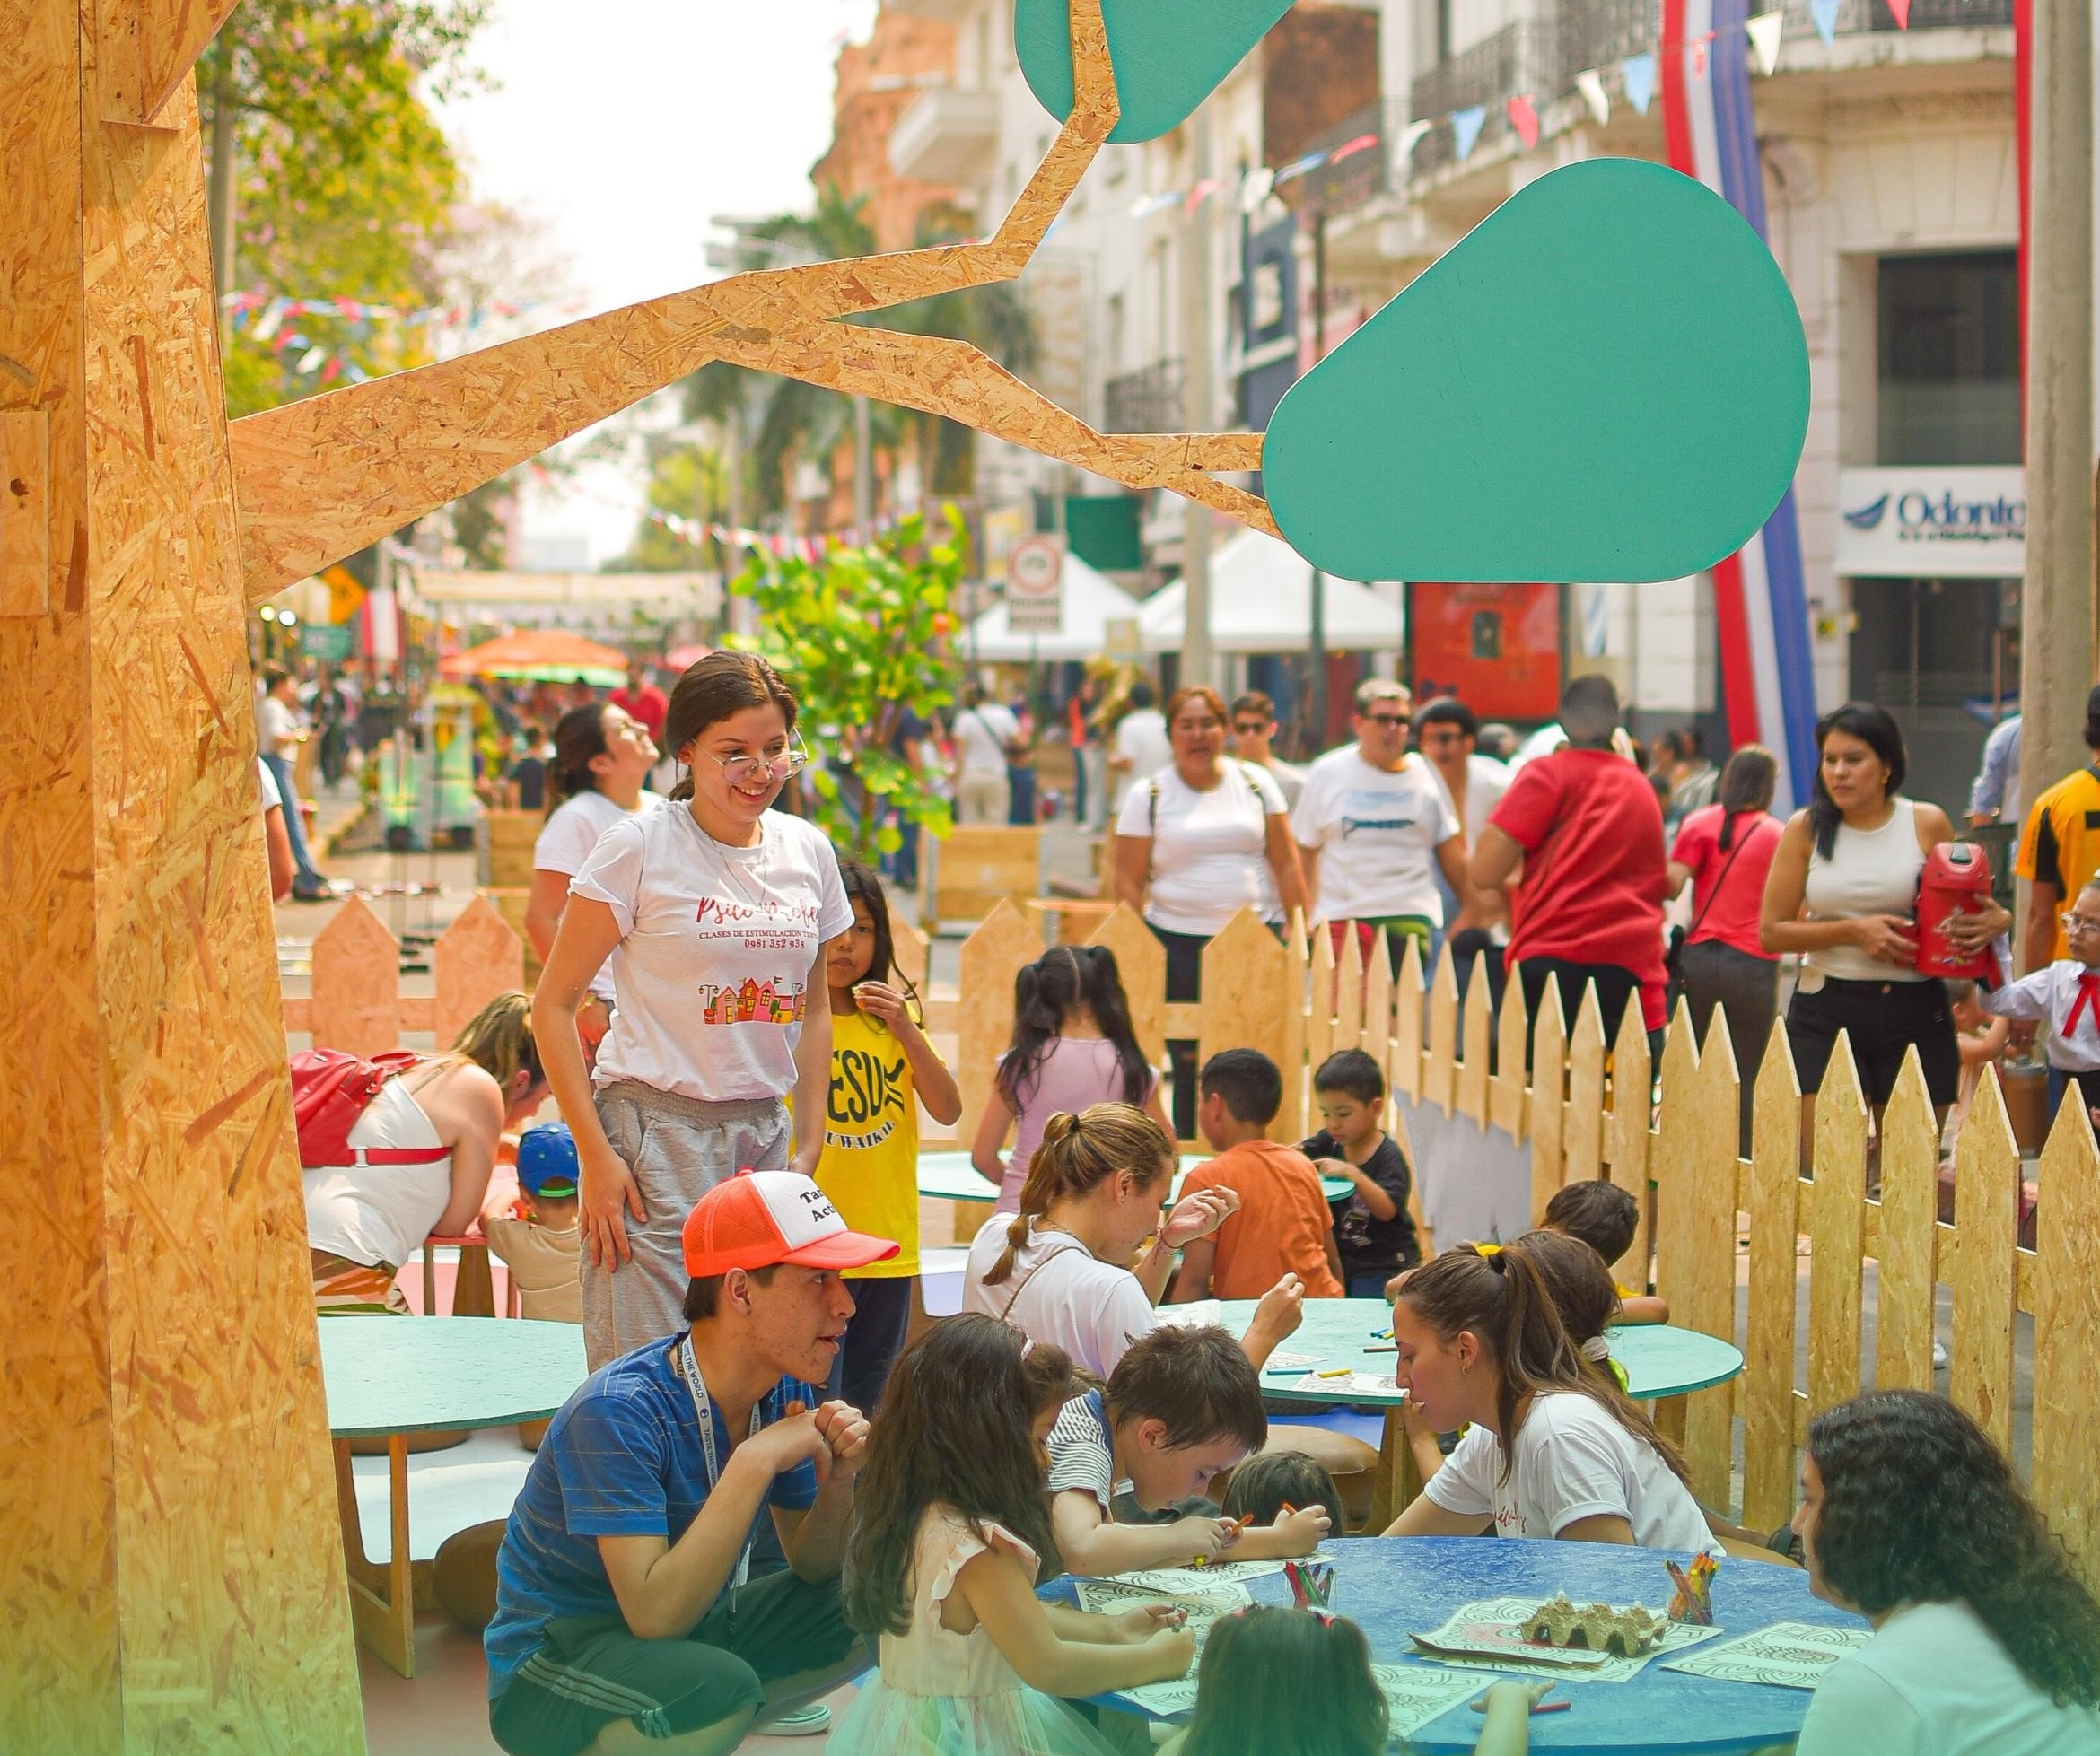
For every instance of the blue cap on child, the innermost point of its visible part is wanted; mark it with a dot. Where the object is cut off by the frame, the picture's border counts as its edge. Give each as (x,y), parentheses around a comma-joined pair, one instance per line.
(547,1161)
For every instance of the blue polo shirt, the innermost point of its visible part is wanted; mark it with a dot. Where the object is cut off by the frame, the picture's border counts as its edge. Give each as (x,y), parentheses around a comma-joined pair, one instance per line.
(622,1458)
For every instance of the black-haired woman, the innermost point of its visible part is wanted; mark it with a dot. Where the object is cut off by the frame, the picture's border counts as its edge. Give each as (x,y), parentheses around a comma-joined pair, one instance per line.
(1986,1642)
(715,912)
(602,757)
(1843,890)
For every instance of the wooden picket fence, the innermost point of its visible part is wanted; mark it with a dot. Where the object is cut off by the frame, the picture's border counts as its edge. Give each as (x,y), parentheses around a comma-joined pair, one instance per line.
(1750,1250)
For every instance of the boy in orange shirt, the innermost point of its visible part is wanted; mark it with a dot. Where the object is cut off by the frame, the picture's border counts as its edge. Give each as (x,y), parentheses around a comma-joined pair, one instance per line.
(1283,1223)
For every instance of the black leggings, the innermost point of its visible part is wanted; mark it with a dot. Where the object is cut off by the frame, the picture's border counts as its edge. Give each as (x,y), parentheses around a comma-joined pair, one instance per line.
(1184,987)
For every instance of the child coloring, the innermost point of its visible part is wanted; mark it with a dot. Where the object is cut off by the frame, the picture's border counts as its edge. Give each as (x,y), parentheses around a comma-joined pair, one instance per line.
(1277,1483)
(1299,1683)
(950,1539)
(1072,1047)
(882,1067)
(1605,1217)
(2065,997)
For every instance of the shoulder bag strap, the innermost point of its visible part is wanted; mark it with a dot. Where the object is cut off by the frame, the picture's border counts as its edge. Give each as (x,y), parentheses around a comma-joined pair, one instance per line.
(1727,865)
(1048,1258)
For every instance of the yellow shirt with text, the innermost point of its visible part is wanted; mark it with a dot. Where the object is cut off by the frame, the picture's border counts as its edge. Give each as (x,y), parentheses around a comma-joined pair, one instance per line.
(870,1162)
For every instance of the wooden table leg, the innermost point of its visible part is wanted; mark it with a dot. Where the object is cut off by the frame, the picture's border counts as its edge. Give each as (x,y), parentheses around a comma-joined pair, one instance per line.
(1397,1480)
(382,1599)
(474,1286)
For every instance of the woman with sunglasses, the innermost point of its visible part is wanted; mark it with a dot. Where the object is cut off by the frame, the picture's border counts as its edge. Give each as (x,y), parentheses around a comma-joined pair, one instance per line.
(716,914)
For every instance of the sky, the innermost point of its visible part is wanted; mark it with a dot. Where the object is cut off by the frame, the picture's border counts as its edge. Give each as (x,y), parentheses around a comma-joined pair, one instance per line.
(622,129)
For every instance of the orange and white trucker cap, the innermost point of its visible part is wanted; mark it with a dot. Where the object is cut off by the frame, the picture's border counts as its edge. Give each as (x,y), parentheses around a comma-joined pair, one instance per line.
(760,1218)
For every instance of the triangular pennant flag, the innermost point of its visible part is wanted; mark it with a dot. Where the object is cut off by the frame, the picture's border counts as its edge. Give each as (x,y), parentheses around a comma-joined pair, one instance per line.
(1764,38)
(1524,119)
(1825,12)
(1409,137)
(1465,125)
(1902,9)
(1637,74)
(1590,84)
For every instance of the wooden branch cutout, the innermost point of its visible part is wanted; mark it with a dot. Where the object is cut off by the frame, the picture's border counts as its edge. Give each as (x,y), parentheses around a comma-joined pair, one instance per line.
(322,478)
(145,52)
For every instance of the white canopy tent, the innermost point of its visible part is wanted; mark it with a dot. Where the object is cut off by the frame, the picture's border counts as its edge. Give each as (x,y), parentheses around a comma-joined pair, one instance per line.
(1261,601)
(1091,602)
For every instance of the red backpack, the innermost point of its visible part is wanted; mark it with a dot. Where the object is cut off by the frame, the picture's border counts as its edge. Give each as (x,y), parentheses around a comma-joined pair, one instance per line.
(330,1091)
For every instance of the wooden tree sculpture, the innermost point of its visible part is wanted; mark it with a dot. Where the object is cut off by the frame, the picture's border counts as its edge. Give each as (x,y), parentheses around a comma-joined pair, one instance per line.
(174,1579)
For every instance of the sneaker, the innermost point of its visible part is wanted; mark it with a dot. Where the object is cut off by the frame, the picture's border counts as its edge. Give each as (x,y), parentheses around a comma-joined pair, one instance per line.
(1938,1355)
(811,1722)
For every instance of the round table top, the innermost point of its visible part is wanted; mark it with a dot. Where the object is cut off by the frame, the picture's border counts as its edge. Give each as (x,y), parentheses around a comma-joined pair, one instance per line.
(444,1375)
(1394,1587)
(948,1176)
(1660,1359)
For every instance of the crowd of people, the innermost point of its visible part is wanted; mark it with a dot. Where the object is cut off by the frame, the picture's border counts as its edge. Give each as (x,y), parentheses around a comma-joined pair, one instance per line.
(765,1486)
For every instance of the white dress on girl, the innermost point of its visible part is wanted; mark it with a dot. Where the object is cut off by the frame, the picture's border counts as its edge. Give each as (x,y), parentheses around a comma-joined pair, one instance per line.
(943,1694)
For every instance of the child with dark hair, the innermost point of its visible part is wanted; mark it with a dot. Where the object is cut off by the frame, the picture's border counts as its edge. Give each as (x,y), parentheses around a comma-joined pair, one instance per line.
(1072,1047)
(1606,1218)
(1276,1682)
(1986,1641)
(1282,1225)
(1182,1406)
(952,1537)
(1275,1484)
(883,1068)
(1374,1234)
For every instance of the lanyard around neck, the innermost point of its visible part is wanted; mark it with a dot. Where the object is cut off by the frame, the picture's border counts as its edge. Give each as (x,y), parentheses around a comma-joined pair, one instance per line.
(703,1412)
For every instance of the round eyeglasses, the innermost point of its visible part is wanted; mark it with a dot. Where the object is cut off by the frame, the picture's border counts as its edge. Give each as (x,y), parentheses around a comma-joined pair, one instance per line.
(741,770)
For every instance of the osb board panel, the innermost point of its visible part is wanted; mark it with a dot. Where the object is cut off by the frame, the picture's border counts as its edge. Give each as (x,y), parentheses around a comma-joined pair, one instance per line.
(1141,960)
(1987,1190)
(1835,1205)
(323,477)
(25,512)
(1712,1239)
(1549,1108)
(991,956)
(2066,1329)
(146,50)
(477,958)
(356,1005)
(230,1583)
(1907,1233)
(58,1629)
(1768,1342)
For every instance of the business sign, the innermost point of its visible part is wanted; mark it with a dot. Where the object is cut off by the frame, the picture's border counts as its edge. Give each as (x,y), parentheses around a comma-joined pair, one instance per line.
(1035,585)
(1964,522)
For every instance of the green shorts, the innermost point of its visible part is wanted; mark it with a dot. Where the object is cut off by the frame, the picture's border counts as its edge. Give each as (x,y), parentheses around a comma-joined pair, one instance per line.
(589,1673)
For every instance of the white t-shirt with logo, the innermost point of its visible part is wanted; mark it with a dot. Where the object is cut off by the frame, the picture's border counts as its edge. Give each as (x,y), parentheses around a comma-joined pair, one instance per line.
(981,737)
(1934,1682)
(1376,833)
(568,837)
(1573,1461)
(717,951)
(1210,849)
(1142,741)
(1059,1292)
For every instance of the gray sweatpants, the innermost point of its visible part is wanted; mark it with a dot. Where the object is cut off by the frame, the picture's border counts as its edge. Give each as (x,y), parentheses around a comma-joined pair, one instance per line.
(679,1149)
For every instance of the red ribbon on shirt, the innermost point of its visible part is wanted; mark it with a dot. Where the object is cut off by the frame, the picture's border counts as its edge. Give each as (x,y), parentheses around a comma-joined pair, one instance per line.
(2088,1002)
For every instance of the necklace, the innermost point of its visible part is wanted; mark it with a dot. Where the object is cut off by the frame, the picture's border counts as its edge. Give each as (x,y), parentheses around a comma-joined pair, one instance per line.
(730,868)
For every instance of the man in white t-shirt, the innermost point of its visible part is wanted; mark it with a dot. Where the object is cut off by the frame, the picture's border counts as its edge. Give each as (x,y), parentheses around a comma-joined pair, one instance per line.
(1447,732)
(1254,728)
(280,730)
(1142,747)
(1374,829)
(983,731)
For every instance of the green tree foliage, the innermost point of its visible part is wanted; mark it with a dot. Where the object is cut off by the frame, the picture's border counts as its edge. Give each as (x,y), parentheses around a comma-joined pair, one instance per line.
(863,634)
(686,481)
(342,186)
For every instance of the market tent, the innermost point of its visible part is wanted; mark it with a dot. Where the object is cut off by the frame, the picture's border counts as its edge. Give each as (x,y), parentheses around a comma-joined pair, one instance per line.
(1261,601)
(539,655)
(1091,602)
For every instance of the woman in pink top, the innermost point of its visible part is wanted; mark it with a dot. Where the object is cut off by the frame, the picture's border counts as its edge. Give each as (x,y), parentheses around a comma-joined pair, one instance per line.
(1724,852)
(1072,1047)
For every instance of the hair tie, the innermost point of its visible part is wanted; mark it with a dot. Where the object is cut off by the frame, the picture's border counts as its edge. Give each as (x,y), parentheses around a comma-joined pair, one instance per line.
(1027,1343)
(1597,1350)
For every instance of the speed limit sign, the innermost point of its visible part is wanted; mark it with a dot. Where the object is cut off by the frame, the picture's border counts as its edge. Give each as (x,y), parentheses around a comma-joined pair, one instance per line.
(1035,585)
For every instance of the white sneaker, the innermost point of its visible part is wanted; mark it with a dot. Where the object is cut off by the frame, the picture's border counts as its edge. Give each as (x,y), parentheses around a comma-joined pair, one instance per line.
(1938,1355)
(811,1722)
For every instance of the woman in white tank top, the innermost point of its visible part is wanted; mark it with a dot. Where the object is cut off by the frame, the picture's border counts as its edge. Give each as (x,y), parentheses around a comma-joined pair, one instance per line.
(1844,891)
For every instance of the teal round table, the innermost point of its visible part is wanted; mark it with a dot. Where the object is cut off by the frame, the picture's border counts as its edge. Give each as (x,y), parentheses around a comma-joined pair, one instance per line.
(1347,1337)
(386,1377)
(949,1176)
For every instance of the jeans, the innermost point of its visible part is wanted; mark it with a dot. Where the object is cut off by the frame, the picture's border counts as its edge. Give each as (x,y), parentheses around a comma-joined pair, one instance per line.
(294,825)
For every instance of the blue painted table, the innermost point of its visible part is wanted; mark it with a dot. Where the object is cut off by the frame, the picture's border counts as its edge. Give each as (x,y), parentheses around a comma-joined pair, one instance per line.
(1396,1587)
(386,1377)
(948,1176)
(1660,1361)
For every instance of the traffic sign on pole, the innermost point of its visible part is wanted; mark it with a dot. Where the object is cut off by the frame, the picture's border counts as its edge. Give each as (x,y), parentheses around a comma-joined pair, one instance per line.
(1035,585)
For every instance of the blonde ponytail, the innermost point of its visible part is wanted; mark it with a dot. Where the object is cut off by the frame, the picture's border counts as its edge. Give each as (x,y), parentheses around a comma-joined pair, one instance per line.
(1078,1154)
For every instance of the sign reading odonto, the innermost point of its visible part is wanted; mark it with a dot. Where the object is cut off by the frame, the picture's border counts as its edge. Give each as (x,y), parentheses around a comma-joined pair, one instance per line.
(1035,585)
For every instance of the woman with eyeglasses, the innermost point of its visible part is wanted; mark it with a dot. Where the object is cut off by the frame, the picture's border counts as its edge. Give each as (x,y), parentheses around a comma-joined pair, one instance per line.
(715,914)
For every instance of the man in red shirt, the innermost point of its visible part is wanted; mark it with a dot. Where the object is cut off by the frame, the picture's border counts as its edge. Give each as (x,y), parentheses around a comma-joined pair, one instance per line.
(1588,830)
(644,700)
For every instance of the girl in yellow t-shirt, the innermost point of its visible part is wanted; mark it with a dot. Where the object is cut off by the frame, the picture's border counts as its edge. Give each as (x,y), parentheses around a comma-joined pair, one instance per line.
(882,1067)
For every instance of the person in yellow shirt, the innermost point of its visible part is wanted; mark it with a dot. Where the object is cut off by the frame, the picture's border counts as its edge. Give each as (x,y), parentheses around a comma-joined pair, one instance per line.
(882,1067)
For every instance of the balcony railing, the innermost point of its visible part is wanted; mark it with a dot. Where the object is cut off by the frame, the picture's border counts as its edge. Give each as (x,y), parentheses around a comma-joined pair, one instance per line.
(1522,58)
(1150,399)
(1336,188)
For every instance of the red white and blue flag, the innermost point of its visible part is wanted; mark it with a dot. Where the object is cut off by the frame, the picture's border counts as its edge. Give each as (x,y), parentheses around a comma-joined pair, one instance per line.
(1759,601)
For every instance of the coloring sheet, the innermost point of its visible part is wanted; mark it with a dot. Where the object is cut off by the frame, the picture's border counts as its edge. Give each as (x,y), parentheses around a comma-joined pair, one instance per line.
(1290,1363)
(1200,1313)
(1204,1606)
(1787,1655)
(1416,1694)
(1345,1384)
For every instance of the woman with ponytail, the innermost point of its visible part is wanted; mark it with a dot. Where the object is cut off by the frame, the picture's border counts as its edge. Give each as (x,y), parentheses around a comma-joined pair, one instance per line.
(715,914)
(602,757)
(1068,1269)
(1072,1047)
(1557,1449)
